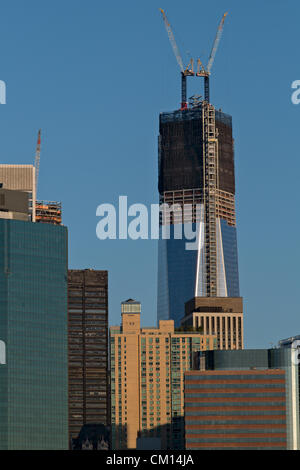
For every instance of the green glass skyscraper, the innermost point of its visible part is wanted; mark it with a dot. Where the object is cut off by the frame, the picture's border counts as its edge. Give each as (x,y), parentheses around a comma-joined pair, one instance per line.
(33,331)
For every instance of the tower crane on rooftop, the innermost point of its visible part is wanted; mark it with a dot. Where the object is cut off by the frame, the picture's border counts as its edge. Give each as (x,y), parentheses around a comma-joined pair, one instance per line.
(189,70)
(185,72)
(37,160)
(201,71)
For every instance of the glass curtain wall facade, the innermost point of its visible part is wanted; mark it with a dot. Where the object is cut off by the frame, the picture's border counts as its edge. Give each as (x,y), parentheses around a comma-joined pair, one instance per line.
(33,326)
(197,182)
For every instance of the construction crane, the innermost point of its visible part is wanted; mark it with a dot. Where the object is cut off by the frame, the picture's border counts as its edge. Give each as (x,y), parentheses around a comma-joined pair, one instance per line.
(201,71)
(185,72)
(189,70)
(37,160)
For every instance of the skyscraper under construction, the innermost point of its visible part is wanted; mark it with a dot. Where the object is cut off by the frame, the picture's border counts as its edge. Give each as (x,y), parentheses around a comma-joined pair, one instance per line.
(197,184)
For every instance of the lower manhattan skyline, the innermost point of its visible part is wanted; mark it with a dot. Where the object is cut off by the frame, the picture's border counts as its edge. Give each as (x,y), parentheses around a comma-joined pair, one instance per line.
(61,108)
(64,98)
(148,210)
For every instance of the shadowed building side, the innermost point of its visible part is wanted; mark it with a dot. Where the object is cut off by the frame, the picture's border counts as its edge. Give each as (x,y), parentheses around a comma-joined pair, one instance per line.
(88,349)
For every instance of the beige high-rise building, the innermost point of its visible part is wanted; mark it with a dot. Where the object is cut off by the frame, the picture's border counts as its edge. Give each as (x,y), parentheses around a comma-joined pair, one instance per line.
(18,197)
(221,316)
(87,349)
(19,178)
(147,379)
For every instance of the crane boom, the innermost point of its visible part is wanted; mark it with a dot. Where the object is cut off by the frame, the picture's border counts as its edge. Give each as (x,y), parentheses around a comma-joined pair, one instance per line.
(37,159)
(189,70)
(172,41)
(216,44)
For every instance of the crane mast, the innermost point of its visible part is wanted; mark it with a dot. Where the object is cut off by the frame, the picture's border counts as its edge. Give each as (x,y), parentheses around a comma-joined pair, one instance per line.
(37,160)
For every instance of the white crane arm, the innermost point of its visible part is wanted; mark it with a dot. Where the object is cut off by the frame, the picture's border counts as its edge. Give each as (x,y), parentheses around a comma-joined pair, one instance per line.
(172,41)
(216,44)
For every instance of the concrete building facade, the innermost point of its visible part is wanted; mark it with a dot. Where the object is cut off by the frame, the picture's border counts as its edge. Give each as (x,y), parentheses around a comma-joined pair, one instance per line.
(20,178)
(14,204)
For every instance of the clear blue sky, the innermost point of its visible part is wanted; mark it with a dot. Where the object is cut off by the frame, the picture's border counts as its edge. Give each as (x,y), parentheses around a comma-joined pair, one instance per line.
(95,75)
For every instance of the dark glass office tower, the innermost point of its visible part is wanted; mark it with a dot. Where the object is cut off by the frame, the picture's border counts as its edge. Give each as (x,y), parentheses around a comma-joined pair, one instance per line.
(88,349)
(197,182)
(33,327)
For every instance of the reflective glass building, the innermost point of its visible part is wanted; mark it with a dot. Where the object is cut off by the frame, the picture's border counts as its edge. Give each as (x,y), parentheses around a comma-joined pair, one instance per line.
(147,380)
(197,189)
(33,326)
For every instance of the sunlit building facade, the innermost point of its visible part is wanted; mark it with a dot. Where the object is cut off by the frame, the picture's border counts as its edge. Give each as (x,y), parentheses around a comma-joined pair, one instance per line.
(147,379)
